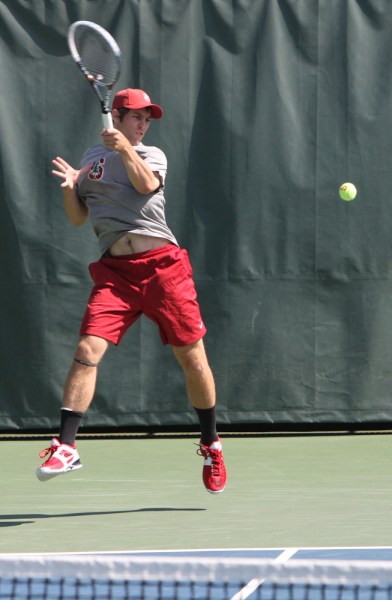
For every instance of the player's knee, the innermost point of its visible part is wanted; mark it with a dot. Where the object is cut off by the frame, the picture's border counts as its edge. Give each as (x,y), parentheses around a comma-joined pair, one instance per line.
(89,352)
(195,364)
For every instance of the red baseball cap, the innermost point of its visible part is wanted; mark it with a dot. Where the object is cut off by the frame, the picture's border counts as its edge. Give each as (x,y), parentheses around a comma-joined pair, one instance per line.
(132,98)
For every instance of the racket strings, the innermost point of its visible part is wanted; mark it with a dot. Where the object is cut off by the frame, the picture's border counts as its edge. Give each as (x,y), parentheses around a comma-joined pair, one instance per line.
(97,56)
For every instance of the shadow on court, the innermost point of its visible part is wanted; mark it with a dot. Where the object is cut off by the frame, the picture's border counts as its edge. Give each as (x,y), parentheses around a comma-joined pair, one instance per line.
(14,523)
(92,514)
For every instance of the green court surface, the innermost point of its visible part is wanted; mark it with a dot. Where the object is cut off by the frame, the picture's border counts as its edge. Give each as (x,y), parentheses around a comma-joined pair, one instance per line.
(146,494)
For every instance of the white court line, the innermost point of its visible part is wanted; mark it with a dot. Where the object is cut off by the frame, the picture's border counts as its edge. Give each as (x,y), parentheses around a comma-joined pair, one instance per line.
(255,583)
(206,551)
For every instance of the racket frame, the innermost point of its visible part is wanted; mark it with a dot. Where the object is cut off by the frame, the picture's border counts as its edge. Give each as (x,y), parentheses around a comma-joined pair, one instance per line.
(102,90)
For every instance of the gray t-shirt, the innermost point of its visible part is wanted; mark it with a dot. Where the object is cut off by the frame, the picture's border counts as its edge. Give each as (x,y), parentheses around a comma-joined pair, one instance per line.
(115,206)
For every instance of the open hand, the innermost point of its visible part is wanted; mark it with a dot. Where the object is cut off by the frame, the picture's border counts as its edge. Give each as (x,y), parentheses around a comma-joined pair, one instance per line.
(64,171)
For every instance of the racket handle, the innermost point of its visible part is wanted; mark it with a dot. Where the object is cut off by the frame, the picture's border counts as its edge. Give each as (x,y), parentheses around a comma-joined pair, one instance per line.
(107,120)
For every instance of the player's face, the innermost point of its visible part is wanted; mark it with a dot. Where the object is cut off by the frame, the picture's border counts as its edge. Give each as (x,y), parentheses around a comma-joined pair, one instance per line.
(135,125)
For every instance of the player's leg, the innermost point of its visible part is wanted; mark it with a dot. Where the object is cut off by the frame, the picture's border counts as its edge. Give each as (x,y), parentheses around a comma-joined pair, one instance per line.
(199,379)
(107,317)
(78,394)
(82,376)
(180,325)
(80,385)
(200,387)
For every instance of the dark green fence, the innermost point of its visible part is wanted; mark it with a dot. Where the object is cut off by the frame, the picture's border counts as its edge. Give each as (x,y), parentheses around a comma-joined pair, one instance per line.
(269,106)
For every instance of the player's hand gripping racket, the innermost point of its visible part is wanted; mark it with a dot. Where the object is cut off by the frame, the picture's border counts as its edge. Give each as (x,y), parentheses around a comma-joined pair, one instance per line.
(99,58)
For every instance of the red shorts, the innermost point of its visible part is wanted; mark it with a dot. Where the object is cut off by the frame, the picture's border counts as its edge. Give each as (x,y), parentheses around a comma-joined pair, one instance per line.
(157,283)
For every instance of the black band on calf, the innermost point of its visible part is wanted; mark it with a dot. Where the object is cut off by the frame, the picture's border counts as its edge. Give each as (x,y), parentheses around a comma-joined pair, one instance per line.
(85,363)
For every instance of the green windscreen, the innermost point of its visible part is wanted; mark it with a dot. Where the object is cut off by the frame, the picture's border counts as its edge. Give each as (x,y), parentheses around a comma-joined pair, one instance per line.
(268,107)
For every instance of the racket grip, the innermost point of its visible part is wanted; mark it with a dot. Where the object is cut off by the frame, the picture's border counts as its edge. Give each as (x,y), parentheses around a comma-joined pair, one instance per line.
(107,120)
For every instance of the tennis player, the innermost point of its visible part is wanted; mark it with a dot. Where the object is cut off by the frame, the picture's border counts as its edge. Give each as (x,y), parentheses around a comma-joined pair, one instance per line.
(142,270)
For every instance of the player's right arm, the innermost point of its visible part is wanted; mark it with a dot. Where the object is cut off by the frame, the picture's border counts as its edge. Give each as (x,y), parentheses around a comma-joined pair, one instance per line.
(75,209)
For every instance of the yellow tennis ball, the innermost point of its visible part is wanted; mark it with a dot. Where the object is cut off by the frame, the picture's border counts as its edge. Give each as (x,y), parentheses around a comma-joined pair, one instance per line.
(347,191)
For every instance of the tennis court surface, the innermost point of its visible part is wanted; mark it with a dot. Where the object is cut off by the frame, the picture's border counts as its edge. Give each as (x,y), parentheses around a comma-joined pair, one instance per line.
(290,499)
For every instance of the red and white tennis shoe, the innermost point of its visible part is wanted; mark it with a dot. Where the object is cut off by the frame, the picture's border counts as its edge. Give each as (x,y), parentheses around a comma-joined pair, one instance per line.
(214,470)
(63,458)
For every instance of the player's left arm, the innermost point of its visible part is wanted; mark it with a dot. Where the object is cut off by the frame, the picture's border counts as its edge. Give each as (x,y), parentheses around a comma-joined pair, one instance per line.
(143,178)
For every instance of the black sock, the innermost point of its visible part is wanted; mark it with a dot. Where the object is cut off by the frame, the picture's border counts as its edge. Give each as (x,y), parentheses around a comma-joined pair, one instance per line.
(69,425)
(207,420)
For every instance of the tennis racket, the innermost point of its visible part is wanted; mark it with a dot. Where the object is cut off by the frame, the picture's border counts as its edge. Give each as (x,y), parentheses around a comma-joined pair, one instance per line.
(98,56)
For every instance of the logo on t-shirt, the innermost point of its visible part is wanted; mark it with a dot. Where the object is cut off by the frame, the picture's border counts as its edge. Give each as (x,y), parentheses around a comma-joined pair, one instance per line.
(96,171)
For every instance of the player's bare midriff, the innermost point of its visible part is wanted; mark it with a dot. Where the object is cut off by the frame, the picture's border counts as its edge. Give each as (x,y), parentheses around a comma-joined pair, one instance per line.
(133,243)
